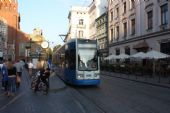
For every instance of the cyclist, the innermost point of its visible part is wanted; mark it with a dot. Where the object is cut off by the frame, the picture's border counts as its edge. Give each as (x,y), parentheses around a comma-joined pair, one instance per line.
(44,77)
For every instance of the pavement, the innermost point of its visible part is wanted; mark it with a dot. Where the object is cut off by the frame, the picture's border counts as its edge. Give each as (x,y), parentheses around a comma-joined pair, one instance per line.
(56,83)
(159,81)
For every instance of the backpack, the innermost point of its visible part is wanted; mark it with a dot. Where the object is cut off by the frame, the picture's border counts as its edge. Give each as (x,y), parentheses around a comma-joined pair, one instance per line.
(1,65)
(4,73)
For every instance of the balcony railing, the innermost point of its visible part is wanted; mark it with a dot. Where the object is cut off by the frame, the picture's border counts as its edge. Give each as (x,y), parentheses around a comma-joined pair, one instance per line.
(81,26)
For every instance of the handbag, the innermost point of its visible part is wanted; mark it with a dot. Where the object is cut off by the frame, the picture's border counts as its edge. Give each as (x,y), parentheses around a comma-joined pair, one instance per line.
(18,79)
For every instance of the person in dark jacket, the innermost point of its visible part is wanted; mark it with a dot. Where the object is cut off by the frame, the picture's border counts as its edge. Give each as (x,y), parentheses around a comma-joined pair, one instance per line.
(44,77)
(4,73)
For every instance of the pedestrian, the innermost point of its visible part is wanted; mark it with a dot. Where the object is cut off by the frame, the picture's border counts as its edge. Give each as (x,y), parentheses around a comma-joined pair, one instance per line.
(44,77)
(45,64)
(1,65)
(19,69)
(39,65)
(4,73)
(49,63)
(30,67)
(11,78)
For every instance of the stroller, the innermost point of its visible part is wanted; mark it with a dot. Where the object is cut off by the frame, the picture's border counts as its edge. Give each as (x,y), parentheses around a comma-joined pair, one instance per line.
(40,82)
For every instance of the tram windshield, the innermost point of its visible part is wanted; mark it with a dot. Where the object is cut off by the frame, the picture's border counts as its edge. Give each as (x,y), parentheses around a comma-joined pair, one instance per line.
(87,57)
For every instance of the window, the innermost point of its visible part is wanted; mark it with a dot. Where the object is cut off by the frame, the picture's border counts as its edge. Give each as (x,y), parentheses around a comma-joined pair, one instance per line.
(102,46)
(132,4)
(81,22)
(117,51)
(87,57)
(164,14)
(117,11)
(80,34)
(127,50)
(150,20)
(133,26)
(117,32)
(165,47)
(111,15)
(111,1)
(125,29)
(124,7)
(3,31)
(111,34)
(70,59)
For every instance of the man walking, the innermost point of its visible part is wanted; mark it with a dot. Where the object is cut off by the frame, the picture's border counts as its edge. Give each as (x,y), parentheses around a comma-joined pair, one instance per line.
(19,68)
(30,67)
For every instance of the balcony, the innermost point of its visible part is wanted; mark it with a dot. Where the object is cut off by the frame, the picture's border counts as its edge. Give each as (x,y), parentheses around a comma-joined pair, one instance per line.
(163,27)
(81,26)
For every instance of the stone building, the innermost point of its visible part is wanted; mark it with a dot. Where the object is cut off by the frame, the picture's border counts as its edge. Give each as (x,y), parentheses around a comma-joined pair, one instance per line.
(78,23)
(9,27)
(96,9)
(33,46)
(102,34)
(82,20)
(138,25)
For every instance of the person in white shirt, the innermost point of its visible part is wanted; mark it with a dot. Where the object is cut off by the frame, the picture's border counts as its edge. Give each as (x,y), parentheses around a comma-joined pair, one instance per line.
(30,67)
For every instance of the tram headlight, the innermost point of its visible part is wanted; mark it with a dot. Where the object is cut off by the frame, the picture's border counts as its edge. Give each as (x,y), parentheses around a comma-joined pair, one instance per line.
(96,76)
(80,76)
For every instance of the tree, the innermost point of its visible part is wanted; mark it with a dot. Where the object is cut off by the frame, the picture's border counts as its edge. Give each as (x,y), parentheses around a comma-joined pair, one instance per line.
(56,47)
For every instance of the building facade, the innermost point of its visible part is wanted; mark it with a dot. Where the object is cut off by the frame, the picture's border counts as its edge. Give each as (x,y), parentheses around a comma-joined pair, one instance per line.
(78,23)
(90,22)
(102,35)
(82,20)
(9,26)
(96,9)
(138,25)
(34,49)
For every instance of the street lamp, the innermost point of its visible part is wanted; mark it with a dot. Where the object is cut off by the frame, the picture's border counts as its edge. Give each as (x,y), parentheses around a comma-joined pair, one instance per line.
(45,44)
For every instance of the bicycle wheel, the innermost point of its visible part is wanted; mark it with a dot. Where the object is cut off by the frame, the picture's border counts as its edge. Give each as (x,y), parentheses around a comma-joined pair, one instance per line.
(43,87)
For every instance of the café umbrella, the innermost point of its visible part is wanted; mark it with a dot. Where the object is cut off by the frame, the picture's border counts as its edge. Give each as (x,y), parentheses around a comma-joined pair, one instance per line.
(155,55)
(141,55)
(110,57)
(122,56)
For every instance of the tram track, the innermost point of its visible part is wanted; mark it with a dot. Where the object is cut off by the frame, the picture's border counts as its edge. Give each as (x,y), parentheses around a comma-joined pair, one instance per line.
(87,98)
(78,101)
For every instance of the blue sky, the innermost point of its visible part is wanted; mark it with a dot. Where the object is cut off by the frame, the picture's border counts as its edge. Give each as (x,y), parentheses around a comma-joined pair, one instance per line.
(49,15)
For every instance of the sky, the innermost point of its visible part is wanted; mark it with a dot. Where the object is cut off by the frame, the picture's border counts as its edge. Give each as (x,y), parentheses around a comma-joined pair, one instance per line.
(49,15)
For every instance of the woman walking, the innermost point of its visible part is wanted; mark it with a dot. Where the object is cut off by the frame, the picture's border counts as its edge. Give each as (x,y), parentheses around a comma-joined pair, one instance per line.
(11,78)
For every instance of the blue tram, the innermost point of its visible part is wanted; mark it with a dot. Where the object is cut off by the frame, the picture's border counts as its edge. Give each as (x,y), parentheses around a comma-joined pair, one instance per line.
(78,62)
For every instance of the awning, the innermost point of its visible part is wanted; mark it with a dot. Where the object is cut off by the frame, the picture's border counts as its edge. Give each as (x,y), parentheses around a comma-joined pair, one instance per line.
(141,45)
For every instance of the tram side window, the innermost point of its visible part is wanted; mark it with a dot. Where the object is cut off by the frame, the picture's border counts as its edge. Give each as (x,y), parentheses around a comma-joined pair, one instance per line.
(70,59)
(66,58)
